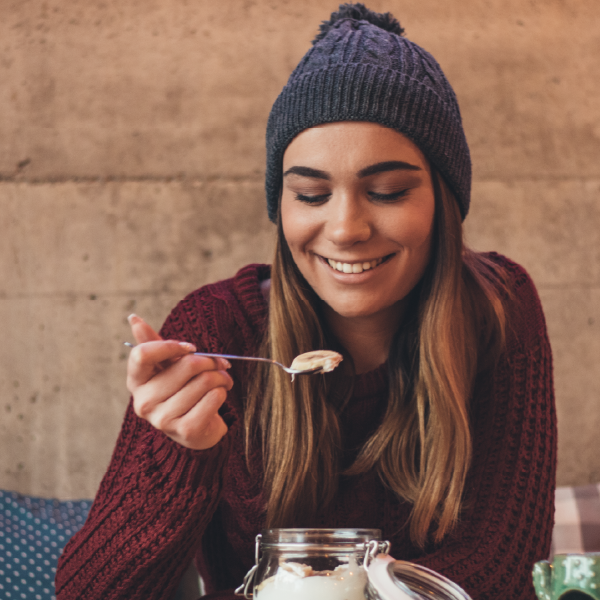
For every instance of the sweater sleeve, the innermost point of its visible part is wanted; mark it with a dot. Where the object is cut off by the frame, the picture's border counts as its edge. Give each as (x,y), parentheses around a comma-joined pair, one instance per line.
(509,502)
(152,506)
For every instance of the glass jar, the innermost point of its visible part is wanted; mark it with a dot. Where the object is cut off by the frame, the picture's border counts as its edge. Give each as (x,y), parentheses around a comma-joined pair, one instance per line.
(338,564)
(320,564)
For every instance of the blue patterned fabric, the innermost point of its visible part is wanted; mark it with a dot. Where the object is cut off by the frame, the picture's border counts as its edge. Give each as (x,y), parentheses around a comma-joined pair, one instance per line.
(33,532)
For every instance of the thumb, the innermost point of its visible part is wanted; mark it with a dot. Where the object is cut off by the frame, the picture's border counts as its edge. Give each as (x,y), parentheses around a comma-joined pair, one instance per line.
(142,332)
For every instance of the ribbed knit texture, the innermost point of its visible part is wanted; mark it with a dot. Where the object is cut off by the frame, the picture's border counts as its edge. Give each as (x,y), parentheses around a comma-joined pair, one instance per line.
(360,72)
(159,505)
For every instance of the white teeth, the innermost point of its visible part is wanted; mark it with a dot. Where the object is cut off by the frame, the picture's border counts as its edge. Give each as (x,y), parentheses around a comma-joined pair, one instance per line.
(354,267)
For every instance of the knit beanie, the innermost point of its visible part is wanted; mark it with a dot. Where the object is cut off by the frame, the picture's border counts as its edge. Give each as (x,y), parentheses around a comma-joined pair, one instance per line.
(360,68)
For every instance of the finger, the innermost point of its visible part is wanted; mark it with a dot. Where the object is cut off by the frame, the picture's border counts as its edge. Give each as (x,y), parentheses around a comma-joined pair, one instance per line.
(209,405)
(174,391)
(147,359)
(202,427)
(142,332)
(169,381)
(162,406)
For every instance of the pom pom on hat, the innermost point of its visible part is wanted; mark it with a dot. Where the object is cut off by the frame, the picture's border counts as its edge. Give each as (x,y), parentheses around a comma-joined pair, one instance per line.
(359,12)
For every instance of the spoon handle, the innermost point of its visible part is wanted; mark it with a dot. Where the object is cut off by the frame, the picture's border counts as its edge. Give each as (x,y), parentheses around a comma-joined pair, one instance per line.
(233,357)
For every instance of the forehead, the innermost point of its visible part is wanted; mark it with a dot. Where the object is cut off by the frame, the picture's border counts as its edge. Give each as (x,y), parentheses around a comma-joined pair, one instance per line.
(351,145)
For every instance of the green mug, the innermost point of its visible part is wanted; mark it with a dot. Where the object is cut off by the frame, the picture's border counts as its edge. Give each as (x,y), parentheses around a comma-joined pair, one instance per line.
(568,577)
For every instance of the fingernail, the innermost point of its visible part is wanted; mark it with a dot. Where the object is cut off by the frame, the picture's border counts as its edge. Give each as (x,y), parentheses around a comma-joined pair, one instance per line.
(226,364)
(187,346)
(133,318)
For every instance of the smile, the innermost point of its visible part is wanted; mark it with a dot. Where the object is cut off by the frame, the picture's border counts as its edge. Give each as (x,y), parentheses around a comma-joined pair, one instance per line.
(356,267)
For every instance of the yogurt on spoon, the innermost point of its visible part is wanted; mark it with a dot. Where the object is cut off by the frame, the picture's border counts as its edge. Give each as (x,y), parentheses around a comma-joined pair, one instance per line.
(317,360)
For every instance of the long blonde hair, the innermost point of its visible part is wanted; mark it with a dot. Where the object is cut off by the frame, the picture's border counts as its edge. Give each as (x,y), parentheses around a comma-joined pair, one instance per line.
(422,448)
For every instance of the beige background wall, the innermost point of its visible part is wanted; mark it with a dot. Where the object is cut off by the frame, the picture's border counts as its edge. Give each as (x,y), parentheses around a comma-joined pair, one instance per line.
(131,164)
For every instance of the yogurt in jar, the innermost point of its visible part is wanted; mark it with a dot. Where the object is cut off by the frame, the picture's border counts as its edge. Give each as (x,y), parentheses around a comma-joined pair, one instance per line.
(295,581)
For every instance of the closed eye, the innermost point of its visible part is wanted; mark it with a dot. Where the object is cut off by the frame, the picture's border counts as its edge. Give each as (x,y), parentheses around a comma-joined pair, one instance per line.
(320,199)
(388,197)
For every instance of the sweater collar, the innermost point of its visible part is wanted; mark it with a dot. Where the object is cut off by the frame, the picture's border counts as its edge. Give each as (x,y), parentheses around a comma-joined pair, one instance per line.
(375,382)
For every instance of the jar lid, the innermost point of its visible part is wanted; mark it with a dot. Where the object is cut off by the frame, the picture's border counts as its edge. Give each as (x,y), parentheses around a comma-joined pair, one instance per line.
(391,579)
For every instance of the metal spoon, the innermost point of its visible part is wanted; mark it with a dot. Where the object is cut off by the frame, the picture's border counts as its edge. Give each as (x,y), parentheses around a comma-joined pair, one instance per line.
(293,372)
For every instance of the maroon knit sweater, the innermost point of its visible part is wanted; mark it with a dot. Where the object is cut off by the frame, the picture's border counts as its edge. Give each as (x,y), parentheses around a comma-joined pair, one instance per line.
(160,505)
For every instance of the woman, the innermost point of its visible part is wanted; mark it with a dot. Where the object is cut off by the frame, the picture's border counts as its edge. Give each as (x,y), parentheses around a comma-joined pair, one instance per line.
(438,427)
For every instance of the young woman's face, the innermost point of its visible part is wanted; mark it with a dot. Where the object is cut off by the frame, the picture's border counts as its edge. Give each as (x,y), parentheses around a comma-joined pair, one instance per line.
(357,211)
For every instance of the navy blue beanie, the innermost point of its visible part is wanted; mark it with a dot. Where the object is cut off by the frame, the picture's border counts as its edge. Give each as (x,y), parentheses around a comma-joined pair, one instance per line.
(360,68)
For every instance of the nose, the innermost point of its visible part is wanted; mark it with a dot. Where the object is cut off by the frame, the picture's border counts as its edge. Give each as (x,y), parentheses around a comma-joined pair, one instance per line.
(348,221)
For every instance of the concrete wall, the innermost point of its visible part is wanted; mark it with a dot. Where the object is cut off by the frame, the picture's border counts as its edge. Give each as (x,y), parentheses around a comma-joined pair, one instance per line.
(131,164)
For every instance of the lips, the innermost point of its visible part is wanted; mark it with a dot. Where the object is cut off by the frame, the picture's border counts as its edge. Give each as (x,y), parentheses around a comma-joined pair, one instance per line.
(355,267)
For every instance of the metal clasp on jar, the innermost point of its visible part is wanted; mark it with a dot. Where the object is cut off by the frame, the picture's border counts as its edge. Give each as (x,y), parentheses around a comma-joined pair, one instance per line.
(246,588)
(373,548)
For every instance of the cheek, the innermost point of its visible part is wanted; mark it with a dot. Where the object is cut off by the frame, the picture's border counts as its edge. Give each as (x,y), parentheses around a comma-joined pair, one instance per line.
(422,236)
(422,225)
(412,229)
(297,224)
(423,242)
(289,225)
(421,248)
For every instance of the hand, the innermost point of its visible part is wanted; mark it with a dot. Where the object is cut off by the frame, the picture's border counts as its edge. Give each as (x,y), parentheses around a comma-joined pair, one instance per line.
(177,392)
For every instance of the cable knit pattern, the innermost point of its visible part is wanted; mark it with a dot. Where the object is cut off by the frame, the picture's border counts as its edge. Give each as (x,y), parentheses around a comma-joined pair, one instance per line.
(160,505)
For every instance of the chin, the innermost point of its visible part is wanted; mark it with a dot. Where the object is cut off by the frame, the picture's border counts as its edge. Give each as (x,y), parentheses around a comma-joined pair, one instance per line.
(352,311)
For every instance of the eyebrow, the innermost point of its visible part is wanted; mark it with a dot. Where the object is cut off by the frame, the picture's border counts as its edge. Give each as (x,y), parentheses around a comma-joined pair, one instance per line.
(308,172)
(390,165)
(382,167)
